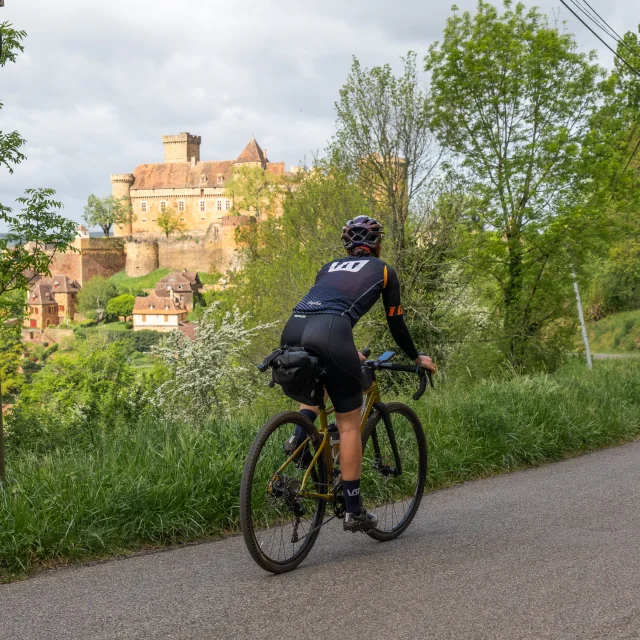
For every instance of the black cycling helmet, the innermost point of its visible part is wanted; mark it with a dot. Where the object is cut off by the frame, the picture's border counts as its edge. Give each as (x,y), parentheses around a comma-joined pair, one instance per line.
(362,231)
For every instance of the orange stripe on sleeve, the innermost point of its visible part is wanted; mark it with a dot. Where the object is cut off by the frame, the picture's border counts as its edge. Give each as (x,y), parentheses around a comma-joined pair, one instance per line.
(392,310)
(399,313)
(385,276)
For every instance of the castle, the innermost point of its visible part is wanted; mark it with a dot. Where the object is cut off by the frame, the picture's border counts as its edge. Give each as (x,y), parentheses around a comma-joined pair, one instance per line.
(195,190)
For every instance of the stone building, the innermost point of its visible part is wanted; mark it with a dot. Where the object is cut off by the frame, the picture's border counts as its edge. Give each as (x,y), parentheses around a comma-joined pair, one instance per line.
(181,286)
(194,189)
(158,313)
(50,301)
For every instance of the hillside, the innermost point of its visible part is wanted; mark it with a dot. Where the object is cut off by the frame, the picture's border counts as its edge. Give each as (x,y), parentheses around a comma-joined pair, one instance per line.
(617,333)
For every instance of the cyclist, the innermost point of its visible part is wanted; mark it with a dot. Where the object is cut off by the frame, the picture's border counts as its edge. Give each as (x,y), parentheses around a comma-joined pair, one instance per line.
(344,291)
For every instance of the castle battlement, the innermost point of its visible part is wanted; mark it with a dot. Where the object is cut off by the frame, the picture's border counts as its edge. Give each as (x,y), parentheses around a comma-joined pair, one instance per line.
(127,178)
(185,136)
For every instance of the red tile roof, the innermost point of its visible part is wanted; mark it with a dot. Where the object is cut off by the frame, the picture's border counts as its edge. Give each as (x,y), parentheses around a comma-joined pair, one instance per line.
(175,175)
(43,289)
(252,153)
(155,303)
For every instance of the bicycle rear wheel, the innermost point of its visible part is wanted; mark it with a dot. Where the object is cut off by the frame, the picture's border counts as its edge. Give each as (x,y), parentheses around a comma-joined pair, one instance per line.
(278,525)
(393,493)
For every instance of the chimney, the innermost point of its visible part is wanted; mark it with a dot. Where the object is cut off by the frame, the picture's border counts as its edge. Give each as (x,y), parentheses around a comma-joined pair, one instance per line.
(264,151)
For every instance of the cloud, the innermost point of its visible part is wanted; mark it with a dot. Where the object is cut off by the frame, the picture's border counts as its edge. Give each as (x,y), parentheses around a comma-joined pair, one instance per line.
(100,83)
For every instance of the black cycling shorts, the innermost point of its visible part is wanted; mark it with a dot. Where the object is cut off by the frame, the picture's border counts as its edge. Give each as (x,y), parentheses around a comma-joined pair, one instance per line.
(330,337)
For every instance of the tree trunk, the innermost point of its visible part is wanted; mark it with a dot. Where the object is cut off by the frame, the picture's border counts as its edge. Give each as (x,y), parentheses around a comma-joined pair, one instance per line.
(513,334)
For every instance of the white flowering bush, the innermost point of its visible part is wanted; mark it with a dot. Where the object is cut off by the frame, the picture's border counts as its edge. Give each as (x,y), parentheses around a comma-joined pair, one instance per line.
(210,372)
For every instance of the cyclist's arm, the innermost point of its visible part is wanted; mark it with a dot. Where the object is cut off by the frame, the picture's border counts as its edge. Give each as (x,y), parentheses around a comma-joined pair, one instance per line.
(395,318)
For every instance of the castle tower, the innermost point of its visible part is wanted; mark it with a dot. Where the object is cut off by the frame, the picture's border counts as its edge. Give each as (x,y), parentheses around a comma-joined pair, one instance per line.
(121,188)
(182,148)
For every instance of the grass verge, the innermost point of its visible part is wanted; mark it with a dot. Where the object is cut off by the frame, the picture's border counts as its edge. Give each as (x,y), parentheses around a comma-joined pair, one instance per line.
(159,484)
(617,333)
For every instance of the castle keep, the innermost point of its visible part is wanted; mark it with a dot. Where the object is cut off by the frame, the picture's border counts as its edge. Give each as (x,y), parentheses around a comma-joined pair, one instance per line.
(195,191)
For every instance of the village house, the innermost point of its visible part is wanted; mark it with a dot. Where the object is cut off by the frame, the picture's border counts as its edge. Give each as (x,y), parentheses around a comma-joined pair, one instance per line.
(51,301)
(181,286)
(158,313)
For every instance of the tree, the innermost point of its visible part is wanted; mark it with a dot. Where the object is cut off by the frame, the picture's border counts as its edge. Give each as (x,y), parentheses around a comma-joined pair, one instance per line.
(254,191)
(95,295)
(121,306)
(383,137)
(170,221)
(512,97)
(107,211)
(38,231)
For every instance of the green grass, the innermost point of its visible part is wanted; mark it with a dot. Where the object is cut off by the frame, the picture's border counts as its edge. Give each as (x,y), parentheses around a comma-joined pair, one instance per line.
(128,284)
(617,333)
(161,483)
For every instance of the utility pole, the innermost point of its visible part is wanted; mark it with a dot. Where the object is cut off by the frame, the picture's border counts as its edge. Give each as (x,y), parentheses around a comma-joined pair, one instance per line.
(2,476)
(581,316)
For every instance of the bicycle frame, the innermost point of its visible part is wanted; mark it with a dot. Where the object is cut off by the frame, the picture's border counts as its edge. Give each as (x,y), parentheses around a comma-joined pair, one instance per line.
(372,396)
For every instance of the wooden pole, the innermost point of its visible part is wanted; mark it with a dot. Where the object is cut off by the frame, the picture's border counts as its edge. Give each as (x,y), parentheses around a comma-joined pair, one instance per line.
(583,327)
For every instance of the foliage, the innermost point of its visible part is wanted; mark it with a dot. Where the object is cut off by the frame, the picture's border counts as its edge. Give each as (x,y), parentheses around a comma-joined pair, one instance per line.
(383,137)
(144,340)
(254,191)
(210,372)
(11,353)
(121,305)
(94,296)
(511,98)
(38,224)
(616,333)
(170,221)
(162,481)
(107,211)
(76,397)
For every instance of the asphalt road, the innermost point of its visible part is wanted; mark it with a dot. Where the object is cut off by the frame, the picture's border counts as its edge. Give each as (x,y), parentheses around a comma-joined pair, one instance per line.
(552,552)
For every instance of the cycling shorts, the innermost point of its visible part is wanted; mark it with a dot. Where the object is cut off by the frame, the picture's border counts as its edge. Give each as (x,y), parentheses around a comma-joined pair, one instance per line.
(330,337)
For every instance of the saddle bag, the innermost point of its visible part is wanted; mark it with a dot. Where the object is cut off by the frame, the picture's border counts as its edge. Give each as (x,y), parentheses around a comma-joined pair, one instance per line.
(298,372)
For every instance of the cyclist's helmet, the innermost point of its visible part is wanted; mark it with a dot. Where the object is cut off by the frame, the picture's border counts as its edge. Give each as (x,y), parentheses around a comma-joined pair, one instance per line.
(362,231)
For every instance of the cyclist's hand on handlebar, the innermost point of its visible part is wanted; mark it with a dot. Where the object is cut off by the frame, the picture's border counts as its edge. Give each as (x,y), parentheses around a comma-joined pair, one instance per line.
(362,356)
(426,363)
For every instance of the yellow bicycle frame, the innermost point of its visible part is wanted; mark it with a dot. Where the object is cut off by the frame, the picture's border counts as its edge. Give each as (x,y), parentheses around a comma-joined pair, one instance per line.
(371,395)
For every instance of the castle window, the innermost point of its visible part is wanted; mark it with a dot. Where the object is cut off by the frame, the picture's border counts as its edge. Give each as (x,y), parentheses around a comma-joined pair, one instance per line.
(182,219)
(61,308)
(163,205)
(228,205)
(144,219)
(36,310)
(203,180)
(220,179)
(219,205)
(143,207)
(203,205)
(180,205)
(203,218)
(153,219)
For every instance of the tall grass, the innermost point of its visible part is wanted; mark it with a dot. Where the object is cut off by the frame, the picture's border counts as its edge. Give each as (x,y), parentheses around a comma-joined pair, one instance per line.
(163,483)
(617,333)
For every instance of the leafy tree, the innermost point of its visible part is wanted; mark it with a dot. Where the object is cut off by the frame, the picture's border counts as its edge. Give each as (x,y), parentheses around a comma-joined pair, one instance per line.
(95,295)
(383,137)
(38,231)
(512,99)
(107,211)
(254,191)
(77,396)
(169,221)
(121,306)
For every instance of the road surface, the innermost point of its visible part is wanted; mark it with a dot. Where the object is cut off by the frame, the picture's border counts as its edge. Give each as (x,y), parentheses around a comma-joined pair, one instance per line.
(552,552)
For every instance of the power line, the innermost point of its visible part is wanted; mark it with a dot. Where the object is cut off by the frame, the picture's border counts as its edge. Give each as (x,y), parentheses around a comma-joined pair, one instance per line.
(615,53)
(602,25)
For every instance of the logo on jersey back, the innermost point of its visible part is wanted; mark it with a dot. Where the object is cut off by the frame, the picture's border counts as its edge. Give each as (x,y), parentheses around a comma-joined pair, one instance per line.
(349,267)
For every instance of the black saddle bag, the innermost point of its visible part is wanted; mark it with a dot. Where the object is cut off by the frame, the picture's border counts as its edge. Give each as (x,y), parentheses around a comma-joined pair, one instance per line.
(298,372)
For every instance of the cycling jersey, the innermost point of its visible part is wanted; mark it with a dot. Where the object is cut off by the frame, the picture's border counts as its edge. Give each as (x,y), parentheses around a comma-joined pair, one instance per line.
(350,287)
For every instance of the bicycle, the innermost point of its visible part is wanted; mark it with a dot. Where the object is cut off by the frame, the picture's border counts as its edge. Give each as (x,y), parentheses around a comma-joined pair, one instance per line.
(281,514)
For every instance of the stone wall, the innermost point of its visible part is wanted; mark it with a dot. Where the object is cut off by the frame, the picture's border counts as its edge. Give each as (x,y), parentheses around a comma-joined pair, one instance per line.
(142,258)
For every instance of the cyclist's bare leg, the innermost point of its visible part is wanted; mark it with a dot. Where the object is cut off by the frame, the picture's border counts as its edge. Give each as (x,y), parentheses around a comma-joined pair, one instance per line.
(350,444)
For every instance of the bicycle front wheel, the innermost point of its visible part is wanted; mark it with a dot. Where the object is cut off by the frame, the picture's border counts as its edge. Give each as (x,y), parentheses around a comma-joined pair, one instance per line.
(394,469)
(279,522)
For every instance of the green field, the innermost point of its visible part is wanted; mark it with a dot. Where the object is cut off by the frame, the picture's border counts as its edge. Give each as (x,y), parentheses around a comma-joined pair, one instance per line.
(127,284)
(617,333)
(159,482)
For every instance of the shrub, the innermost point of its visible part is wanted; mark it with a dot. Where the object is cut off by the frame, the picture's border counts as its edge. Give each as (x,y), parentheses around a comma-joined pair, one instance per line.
(121,305)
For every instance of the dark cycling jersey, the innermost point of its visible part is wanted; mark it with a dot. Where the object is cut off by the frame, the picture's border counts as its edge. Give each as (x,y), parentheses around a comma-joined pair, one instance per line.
(350,287)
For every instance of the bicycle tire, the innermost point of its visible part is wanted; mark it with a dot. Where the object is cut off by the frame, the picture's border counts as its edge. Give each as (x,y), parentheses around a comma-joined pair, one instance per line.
(249,530)
(375,423)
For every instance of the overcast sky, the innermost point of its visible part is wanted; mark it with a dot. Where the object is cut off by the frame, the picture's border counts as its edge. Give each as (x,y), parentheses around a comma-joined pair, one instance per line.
(101,82)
